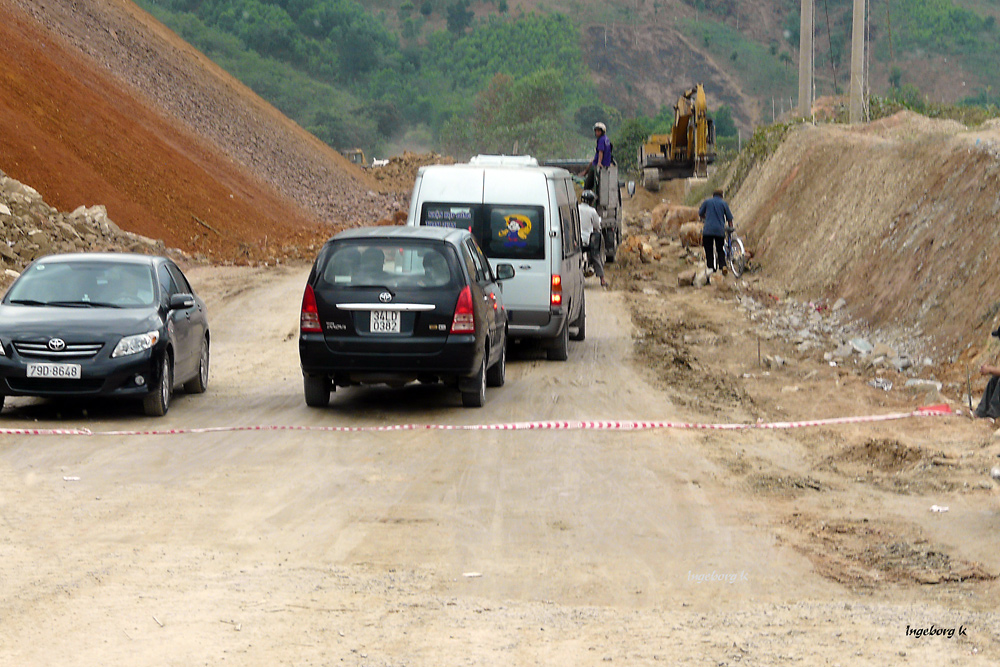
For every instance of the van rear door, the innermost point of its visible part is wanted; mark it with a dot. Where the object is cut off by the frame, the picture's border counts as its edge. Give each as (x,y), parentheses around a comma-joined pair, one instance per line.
(515,230)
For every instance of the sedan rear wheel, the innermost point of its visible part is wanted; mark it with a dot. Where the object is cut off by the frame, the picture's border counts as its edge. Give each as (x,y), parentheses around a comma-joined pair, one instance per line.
(477,397)
(157,402)
(317,390)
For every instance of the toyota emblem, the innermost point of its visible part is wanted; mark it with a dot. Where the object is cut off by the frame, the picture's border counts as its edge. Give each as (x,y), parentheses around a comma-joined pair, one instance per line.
(385,297)
(57,345)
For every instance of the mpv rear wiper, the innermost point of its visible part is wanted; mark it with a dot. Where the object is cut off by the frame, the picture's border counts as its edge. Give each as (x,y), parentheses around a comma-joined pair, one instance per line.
(387,289)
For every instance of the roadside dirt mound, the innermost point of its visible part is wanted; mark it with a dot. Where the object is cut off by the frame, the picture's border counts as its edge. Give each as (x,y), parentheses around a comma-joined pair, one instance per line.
(882,454)
(398,176)
(895,217)
(100,104)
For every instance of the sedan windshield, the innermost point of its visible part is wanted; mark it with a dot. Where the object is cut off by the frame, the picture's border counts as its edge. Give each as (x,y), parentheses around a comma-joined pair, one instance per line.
(85,284)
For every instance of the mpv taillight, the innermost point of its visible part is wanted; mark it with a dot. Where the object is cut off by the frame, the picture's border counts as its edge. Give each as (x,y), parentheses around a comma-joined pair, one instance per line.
(309,322)
(556,293)
(464,320)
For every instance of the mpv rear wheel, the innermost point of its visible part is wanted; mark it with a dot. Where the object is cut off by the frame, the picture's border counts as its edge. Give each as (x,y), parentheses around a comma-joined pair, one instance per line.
(317,390)
(497,373)
(477,398)
(560,348)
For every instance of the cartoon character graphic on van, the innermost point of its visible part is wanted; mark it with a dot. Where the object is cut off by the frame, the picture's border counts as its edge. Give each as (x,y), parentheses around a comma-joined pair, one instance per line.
(518,229)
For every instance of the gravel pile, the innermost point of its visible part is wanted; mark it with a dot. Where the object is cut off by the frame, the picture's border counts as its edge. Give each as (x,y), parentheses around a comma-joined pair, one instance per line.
(31,228)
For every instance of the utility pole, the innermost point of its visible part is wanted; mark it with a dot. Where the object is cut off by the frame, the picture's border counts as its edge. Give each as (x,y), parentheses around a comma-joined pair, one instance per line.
(806,59)
(858,63)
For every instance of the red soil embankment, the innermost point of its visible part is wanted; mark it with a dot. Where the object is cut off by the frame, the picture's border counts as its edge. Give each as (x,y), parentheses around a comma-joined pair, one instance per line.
(81,138)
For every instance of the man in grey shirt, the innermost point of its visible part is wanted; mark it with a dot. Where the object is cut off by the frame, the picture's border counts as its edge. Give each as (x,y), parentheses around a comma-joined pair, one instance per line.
(590,234)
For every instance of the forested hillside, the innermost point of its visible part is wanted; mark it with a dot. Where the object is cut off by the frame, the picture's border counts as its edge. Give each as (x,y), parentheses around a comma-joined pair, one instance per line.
(341,72)
(467,76)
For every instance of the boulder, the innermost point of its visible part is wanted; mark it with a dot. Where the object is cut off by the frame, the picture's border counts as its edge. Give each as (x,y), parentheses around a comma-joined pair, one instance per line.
(917,383)
(883,350)
(861,345)
(691,235)
(41,240)
(673,218)
(645,253)
(658,214)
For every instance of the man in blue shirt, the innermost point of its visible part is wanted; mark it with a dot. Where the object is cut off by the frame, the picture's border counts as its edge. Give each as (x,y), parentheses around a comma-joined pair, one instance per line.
(716,216)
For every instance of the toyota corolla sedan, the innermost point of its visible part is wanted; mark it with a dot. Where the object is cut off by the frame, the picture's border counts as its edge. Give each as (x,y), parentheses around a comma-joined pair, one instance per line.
(400,304)
(104,324)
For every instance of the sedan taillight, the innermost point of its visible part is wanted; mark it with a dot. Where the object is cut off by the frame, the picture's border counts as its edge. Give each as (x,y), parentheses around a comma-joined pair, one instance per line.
(309,322)
(464,320)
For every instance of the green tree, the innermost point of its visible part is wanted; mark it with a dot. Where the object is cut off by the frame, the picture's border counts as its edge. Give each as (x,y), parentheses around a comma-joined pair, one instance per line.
(459,16)
(725,126)
(630,136)
(895,78)
(524,113)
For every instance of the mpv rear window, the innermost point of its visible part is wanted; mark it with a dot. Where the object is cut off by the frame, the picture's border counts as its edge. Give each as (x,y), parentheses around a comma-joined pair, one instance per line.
(390,264)
(503,231)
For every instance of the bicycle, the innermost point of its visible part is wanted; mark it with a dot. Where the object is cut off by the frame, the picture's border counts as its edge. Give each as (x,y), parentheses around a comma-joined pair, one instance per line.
(736,256)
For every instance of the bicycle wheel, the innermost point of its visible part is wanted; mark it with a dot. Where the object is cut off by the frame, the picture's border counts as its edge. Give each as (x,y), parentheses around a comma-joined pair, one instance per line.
(736,256)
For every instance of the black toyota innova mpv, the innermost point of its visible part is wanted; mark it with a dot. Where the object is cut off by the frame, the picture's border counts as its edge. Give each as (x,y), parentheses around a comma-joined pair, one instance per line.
(393,305)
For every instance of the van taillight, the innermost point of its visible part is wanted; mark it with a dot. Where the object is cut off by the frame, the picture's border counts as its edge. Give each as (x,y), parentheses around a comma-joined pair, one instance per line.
(556,298)
(464,320)
(309,322)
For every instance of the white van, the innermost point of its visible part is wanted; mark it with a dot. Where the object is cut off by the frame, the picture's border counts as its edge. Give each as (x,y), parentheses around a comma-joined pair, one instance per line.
(520,214)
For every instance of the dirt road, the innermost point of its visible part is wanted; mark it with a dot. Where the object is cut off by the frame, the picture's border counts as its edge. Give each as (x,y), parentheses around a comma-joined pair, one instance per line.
(417,548)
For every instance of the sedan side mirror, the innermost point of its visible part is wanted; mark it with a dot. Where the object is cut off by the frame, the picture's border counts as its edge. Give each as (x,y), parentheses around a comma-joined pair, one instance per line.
(181,302)
(505,271)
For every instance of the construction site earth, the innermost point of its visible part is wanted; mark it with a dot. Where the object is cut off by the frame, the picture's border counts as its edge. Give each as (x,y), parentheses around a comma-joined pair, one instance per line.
(871,292)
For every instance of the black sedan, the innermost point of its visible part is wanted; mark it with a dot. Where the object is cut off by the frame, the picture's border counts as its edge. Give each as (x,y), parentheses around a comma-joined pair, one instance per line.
(108,324)
(398,304)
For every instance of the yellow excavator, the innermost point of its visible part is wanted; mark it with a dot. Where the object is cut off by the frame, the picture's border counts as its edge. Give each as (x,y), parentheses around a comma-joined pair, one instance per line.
(689,148)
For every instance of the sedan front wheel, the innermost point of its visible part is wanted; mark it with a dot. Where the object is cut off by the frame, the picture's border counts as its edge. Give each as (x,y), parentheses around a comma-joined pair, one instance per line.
(157,402)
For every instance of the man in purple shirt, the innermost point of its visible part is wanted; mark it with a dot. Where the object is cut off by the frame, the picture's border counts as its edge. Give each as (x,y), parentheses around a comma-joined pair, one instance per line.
(602,156)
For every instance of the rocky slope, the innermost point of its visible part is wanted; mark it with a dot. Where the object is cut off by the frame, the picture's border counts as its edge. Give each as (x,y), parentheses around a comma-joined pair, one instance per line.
(30,228)
(100,104)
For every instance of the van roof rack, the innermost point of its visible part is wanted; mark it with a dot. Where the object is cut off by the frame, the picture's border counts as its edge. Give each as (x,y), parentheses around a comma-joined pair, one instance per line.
(504,160)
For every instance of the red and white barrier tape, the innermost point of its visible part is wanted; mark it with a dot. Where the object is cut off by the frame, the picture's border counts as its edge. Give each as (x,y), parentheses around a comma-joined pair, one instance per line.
(927,411)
